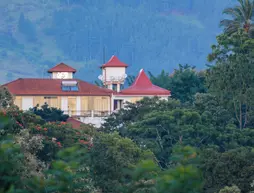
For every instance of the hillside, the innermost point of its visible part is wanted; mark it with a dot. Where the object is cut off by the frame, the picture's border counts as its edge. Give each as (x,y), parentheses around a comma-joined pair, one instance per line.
(156,35)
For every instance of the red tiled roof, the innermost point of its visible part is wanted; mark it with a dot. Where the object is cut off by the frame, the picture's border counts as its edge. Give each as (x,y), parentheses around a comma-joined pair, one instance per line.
(143,86)
(114,62)
(74,123)
(30,86)
(62,68)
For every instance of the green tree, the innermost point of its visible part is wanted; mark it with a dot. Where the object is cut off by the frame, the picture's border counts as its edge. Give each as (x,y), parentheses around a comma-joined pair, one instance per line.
(49,114)
(211,110)
(241,15)
(231,79)
(111,155)
(130,79)
(232,189)
(65,174)
(233,167)
(134,112)
(162,80)
(6,98)
(183,176)
(99,83)
(184,83)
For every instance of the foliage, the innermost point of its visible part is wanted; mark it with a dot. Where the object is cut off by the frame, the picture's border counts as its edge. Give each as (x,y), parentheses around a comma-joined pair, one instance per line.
(231,79)
(49,114)
(232,189)
(22,171)
(64,174)
(10,163)
(57,135)
(134,112)
(182,177)
(130,79)
(228,168)
(242,18)
(111,155)
(17,120)
(190,145)
(99,83)
(6,98)
(184,83)
(211,110)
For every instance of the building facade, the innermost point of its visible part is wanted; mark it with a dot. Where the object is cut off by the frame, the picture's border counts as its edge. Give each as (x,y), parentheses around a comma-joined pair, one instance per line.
(82,100)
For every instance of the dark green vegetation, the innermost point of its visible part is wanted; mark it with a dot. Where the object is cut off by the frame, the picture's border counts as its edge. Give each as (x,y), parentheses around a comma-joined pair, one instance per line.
(37,34)
(199,141)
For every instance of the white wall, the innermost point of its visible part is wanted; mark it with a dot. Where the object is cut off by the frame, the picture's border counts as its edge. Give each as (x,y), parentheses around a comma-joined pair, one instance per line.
(27,102)
(128,98)
(96,121)
(113,71)
(69,75)
(64,104)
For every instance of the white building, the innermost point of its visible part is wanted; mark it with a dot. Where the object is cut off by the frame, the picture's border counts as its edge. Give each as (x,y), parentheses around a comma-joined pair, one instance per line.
(81,100)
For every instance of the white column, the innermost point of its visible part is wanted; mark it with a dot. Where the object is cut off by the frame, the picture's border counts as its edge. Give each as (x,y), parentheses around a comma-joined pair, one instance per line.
(78,105)
(110,86)
(27,103)
(109,107)
(64,104)
(118,88)
(118,104)
(112,103)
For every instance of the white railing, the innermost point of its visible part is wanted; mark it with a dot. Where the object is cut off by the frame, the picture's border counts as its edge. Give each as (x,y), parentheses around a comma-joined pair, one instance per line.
(91,113)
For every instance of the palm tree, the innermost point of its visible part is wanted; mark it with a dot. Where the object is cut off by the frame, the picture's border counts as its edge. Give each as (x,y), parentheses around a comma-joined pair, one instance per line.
(242,18)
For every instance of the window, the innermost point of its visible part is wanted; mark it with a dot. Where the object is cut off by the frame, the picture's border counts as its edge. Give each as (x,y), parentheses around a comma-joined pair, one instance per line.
(52,101)
(114,87)
(115,104)
(70,86)
(74,88)
(122,87)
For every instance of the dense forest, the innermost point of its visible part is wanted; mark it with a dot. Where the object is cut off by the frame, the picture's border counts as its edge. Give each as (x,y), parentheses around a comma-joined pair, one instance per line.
(37,34)
(200,140)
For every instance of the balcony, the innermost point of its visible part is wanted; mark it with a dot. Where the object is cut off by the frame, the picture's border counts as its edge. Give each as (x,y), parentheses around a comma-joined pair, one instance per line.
(91,113)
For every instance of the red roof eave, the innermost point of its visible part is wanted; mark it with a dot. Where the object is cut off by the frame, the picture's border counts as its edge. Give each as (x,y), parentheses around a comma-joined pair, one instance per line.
(52,87)
(143,94)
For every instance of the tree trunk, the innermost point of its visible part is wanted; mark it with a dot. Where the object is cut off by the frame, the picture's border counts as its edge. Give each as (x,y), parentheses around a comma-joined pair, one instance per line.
(240,116)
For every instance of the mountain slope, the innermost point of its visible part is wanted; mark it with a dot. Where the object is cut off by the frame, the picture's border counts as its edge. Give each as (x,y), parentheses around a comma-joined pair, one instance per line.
(156,35)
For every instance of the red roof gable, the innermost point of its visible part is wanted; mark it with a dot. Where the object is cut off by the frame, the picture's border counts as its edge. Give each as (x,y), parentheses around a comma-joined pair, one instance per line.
(114,62)
(62,68)
(74,123)
(30,86)
(143,86)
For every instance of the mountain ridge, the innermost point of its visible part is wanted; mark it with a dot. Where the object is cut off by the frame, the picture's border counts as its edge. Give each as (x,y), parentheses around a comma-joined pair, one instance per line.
(37,35)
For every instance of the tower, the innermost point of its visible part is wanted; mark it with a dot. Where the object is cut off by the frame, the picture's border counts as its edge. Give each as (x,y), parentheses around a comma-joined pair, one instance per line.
(113,74)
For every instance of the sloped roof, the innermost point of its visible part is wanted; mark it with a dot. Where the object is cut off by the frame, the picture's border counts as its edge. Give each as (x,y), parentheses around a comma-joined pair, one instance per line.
(74,123)
(33,86)
(62,68)
(114,62)
(143,86)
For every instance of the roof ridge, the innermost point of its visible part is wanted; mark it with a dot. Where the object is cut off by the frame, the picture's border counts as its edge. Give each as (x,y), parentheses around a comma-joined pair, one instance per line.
(138,78)
(71,69)
(112,62)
